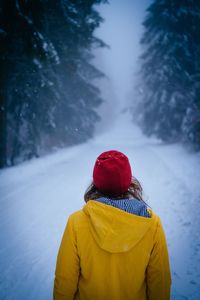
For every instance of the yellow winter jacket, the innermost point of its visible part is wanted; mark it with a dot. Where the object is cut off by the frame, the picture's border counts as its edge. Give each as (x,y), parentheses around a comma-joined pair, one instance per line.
(109,254)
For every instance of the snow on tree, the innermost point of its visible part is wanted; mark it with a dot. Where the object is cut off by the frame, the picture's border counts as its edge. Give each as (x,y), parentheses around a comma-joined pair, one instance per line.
(48,99)
(169,105)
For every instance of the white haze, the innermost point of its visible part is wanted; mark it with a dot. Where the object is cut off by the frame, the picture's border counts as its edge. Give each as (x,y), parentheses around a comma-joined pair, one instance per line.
(121,30)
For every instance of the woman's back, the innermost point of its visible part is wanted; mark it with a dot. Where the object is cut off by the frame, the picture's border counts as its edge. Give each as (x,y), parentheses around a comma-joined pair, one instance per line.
(114,248)
(118,255)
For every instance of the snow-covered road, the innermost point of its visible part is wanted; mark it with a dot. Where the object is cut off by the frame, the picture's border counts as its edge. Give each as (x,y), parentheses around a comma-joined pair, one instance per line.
(37,197)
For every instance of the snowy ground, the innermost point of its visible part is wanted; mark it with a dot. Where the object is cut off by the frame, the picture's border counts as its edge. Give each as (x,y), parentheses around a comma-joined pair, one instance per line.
(37,197)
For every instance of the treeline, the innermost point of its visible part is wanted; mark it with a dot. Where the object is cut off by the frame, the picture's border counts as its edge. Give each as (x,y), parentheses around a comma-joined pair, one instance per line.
(168,103)
(47,96)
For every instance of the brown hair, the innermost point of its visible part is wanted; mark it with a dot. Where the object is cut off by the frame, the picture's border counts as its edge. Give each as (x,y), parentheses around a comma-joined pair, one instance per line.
(135,190)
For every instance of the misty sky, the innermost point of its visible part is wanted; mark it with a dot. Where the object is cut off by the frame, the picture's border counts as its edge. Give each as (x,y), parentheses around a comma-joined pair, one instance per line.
(121,30)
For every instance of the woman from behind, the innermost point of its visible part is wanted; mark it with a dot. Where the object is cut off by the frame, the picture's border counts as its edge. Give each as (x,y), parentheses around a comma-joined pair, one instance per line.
(114,248)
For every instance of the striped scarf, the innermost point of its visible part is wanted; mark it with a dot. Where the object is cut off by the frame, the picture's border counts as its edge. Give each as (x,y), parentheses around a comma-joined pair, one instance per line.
(132,205)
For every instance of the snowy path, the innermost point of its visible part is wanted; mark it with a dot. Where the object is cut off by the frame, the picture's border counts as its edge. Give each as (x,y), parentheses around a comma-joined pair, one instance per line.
(37,197)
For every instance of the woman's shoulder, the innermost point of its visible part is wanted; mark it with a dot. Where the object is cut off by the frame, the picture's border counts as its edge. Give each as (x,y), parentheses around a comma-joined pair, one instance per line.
(153,215)
(77,217)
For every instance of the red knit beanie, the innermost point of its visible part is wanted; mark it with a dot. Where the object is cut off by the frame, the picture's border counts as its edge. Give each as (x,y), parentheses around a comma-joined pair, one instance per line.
(112,173)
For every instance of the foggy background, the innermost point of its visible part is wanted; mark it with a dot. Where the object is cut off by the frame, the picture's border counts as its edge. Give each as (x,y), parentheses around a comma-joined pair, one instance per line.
(121,30)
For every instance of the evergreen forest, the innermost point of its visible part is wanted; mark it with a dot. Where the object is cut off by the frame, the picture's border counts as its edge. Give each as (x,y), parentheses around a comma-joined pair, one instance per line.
(168,91)
(48,99)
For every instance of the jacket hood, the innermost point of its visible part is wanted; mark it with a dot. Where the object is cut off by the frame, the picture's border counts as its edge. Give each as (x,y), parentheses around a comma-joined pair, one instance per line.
(114,229)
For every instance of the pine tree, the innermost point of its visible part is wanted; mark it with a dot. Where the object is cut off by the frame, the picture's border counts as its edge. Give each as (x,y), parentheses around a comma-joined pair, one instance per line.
(48,99)
(170,70)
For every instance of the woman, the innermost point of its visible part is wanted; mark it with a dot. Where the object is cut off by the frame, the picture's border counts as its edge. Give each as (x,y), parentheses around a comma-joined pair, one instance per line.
(114,248)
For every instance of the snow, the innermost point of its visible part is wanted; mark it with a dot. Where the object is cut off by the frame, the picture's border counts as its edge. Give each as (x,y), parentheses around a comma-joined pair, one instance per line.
(37,63)
(27,18)
(49,48)
(37,197)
